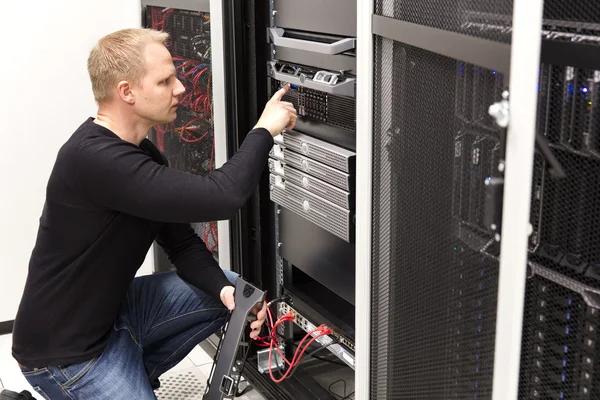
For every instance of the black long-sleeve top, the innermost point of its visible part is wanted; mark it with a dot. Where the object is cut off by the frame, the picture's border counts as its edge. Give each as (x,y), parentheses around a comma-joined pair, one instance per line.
(107,200)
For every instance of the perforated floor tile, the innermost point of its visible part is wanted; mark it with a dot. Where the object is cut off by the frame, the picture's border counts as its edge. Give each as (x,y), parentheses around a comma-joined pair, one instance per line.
(184,384)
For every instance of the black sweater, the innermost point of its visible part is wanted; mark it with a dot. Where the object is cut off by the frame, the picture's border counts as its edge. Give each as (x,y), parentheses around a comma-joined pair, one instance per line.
(107,200)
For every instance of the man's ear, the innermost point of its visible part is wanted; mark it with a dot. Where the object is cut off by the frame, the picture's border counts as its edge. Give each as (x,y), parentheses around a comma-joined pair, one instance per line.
(124,91)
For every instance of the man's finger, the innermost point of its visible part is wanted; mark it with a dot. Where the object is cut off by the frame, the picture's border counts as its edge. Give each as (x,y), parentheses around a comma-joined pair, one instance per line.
(279,94)
(262,315)
(292,122)
(291,109)
(230,302)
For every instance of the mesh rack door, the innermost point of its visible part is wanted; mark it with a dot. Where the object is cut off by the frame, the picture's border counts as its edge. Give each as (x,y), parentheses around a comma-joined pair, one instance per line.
(560,354)
(188,143)
(434,263)
(435,266)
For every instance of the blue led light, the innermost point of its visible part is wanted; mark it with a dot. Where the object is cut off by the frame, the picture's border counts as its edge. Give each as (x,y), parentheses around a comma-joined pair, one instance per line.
(493,72)
(564,362)
(480,315)
(570,301)
(584,90)
(564,377)
(566,349)
(567,330)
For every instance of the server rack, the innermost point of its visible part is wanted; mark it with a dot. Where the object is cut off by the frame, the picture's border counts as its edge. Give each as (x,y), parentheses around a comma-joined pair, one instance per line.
(310,209)
(502,320)
(434,276)
(190,143)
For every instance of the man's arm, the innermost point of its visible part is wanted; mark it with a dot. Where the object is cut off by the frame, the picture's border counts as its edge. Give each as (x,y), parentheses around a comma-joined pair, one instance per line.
(194,262)
(118,175)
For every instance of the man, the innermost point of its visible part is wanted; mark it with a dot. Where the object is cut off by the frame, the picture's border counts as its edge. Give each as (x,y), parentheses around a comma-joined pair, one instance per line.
(86,329)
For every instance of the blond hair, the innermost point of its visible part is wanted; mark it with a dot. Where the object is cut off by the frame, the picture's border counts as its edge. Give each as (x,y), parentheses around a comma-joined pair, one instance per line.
(119,56)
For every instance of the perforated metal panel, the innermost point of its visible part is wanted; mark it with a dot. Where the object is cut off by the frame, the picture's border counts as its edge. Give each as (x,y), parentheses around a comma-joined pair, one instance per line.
(488,19)
(569,209)
(560,354)
(317,210)
(335,110)
(188,142)
(324,172)
(319,150)
(559,348)
(185,384)
(314,185)
(435,265)
(577,11)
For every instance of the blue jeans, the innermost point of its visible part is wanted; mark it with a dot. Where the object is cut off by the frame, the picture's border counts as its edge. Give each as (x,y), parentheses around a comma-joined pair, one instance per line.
(159,323)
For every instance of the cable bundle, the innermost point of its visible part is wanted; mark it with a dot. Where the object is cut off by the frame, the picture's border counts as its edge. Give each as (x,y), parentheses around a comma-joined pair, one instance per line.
(198,94)
(272,341)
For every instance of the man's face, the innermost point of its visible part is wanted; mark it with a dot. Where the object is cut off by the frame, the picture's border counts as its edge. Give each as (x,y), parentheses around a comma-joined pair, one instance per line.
(158,94)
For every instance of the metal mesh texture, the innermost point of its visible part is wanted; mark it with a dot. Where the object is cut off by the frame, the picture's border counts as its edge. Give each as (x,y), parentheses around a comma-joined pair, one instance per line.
(435,267)
(559,351)
(568,209)
(582,16)
(487,19)
(559,358)
(188,142)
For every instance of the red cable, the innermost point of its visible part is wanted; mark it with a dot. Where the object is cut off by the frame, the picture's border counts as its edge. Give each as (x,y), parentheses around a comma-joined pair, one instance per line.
(299,353)
(295,361)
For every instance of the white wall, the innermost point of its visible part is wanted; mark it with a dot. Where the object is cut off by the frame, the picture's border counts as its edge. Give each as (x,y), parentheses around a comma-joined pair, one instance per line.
(45,95)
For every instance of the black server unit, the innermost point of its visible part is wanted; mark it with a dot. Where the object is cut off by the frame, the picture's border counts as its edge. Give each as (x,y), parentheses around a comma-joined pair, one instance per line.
(188,142)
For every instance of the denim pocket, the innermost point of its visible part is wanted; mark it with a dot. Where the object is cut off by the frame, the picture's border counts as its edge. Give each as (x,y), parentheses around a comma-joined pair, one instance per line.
(74,372)
(33,371)
(41,392)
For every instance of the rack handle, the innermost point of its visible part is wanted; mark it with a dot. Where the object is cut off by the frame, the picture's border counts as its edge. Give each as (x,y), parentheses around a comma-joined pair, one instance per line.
(338,47)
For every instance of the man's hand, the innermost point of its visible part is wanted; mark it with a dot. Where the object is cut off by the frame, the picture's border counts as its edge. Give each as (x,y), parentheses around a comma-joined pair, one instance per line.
(227,296)
(278,115)
(261,316)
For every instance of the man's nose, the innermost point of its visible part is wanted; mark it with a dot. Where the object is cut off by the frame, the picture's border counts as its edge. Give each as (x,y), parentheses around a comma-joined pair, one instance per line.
(180,88)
